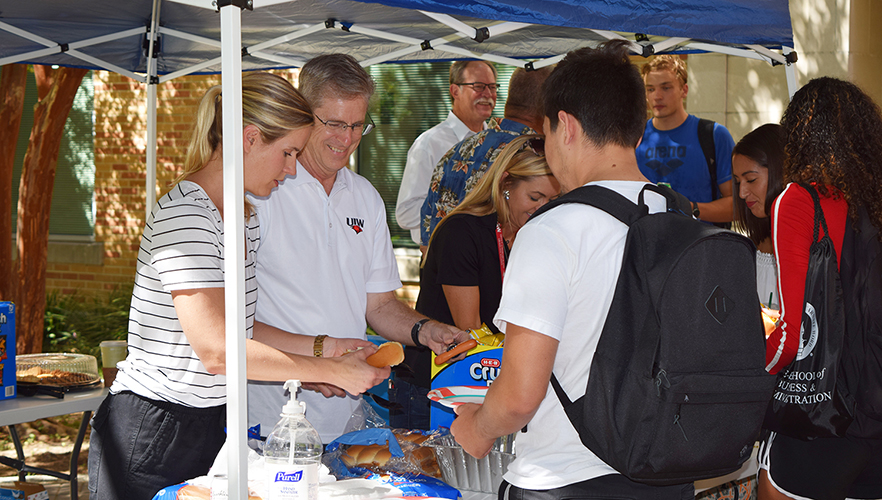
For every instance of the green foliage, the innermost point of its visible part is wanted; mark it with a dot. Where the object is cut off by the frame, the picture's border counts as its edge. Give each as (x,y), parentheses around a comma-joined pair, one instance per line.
(76,323)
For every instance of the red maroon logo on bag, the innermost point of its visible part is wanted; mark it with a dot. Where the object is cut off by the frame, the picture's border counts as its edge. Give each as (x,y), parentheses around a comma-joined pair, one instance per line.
(355,224)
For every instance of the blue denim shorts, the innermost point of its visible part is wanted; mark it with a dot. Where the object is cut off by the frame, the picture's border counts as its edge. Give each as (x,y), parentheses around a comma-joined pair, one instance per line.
(139,446)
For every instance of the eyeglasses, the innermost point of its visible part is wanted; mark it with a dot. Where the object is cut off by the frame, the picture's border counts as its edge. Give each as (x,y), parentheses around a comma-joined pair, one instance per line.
(536,145)
(338,126)
(480,86)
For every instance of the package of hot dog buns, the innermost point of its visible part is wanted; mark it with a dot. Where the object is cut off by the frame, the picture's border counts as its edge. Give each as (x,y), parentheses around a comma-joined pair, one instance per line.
(382,450)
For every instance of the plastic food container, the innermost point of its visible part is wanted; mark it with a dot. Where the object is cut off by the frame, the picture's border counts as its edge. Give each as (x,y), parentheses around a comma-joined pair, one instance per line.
(465,472)
(62,369)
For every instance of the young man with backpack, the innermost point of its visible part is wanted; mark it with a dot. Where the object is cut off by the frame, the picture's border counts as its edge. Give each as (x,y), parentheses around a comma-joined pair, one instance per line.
(693,155)
(559,285)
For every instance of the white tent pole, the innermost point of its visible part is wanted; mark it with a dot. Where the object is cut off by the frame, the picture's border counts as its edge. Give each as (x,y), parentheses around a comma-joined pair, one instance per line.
(773,56)
(725,49)
(668,43)
(234,250)
(473,33)
(463,28)
(191,69)
(150,182)
(548,61)
(55,48)
(790,72)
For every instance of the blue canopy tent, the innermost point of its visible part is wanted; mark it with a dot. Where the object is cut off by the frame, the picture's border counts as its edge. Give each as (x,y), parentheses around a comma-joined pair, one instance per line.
(154,41)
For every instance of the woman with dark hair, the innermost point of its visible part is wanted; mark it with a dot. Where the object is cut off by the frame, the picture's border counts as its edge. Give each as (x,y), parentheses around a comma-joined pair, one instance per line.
(833,134)
(757,163)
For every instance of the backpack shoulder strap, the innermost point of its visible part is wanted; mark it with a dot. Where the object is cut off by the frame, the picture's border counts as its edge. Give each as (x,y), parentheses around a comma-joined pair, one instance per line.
(617,205)
(709,148)
(605,199)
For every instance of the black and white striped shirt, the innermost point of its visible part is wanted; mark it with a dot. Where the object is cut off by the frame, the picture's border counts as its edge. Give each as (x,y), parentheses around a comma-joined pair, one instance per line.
(181,249)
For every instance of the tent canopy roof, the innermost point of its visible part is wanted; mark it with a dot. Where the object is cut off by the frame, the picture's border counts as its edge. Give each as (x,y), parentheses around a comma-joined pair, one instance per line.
(108,34)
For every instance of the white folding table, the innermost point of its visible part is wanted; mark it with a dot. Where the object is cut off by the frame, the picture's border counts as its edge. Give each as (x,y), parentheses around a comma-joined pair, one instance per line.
(30,408)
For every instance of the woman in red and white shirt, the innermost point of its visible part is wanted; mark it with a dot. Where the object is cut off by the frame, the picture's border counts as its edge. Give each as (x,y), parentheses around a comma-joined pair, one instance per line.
(833,143)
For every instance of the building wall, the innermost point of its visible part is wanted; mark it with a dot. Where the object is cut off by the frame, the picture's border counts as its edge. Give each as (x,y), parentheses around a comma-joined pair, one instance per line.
(120,172)
(831,37)
(865,46)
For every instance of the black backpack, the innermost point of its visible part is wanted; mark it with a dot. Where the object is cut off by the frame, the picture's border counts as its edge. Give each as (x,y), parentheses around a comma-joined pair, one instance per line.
(677,389)
(861,274)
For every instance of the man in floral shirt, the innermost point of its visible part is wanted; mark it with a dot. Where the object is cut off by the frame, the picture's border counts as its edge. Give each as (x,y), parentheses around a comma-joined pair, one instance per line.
(460,169)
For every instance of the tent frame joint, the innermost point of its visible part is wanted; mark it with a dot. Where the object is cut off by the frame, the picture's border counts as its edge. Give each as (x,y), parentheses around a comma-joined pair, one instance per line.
(242,4)
(157,44)
(481,34)
(426,45)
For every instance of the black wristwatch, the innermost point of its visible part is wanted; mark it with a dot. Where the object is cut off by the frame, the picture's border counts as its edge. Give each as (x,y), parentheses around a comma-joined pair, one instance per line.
(695,211)
(415,331)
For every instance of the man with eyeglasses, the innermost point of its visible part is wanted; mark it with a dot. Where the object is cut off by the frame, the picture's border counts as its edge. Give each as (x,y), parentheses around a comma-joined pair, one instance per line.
(325,264)
(460,169)
(473,91)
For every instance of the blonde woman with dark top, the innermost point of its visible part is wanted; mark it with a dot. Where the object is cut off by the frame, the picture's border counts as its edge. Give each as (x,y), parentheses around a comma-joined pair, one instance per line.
(461,280)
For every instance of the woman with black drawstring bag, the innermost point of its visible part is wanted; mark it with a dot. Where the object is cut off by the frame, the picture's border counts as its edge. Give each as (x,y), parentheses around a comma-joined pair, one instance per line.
(819,443)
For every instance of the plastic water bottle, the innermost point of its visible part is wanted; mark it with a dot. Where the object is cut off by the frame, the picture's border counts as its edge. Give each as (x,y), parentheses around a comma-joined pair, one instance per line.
(292,453)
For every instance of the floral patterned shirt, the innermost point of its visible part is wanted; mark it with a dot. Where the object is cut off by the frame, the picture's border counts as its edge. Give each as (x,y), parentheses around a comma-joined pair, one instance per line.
(460,169)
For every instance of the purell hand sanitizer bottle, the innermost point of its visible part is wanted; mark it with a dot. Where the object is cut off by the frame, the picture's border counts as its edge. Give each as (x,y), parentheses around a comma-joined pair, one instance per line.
(293,452)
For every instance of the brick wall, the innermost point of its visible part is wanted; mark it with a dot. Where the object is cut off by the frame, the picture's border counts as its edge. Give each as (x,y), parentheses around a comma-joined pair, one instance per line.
(121,172)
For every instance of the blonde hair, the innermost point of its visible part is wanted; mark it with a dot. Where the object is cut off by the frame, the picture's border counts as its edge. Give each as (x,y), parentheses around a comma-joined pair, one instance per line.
(666,62)
(487,196)
(269,102)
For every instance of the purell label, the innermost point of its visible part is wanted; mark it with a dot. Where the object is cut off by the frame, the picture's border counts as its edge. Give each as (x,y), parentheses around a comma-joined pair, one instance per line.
(291,477)
(297,482)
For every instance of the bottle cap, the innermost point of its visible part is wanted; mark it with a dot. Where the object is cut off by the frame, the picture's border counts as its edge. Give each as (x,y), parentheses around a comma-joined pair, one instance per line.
(293,407)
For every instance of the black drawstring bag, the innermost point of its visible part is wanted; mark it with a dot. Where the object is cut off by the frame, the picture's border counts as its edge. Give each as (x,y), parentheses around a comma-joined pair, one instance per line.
(811,399)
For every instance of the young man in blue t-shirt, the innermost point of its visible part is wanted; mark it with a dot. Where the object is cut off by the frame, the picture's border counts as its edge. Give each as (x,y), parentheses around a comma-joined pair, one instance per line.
(670,150)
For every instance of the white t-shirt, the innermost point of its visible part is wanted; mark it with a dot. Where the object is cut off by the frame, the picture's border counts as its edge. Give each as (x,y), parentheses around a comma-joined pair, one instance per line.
(182,249)
(423,155)
(767,280)
(559,282)
(319,257)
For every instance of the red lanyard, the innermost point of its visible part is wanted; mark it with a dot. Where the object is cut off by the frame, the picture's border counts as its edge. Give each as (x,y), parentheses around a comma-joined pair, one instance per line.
(501,245)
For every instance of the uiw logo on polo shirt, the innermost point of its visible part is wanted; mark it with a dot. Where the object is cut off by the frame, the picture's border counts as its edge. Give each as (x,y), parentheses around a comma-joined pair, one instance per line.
(357,225)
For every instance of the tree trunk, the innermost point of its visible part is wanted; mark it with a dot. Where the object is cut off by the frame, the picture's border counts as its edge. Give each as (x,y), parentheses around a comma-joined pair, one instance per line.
(56,89)
(13,79)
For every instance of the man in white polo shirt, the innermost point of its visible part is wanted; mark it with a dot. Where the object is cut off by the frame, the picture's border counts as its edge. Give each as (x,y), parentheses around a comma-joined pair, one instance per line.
(325,263)
(473,91)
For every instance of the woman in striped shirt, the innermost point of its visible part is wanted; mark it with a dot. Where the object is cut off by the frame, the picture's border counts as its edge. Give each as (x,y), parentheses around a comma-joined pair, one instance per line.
(163,421)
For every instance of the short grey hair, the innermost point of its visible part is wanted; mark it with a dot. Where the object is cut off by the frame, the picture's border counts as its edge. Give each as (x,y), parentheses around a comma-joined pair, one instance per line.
(459,67)
(337,75)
